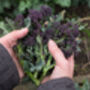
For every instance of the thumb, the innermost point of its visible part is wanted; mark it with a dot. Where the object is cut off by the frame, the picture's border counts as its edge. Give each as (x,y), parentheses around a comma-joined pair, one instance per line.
(11,38)
(56,53)
(17,34)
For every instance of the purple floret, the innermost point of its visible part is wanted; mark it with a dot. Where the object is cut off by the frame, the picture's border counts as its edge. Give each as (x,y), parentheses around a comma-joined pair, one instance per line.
(29,41)
(67,32)
(35,15)
(46,11)
(19,20)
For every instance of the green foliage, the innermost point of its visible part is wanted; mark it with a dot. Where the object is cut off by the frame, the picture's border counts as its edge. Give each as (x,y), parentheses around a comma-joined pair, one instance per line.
(63,3)
(87,32)
(27,4)
(85,86)
(6,26)
(33,67)
(14,7)
(36,60)
(4,4)
(82,2)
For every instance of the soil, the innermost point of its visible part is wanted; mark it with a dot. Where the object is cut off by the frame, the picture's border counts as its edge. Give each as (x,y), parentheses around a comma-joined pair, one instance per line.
(81,11)
(26,86)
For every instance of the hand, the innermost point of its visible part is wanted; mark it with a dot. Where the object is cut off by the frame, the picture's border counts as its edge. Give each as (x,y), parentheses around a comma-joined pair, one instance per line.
(9,41)
(64,67)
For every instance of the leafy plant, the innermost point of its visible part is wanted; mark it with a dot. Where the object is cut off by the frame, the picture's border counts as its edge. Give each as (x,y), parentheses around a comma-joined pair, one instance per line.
(78,2)
(32,50)
(85,86)
(63,3)
(19,6)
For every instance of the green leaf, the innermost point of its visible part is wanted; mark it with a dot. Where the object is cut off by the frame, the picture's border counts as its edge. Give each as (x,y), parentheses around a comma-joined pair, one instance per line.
(75,2)
(3,27)
(78,49)
(38,39)
(82,27)
(63,3)
(86,85)
(7,4)
(77,86)
(89,3)
(87,32)
(39,65)
(27,22)
(61,16)
(24,5)
(25,64)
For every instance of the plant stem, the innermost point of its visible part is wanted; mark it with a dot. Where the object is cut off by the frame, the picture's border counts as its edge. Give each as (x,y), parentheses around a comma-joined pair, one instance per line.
(35,74)
(10,24)
(46,69)
(59,41)
(36,81)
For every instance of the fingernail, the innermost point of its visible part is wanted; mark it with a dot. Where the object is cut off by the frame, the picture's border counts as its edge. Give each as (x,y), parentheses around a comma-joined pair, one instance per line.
(51,43)
(24,29)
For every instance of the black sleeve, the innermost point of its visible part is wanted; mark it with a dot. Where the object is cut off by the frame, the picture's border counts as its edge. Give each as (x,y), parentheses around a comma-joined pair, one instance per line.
(58,84)
(8,72)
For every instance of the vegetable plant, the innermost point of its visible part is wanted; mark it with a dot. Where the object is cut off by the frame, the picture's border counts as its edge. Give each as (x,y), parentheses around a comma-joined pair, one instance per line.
(85,86)
(32,50)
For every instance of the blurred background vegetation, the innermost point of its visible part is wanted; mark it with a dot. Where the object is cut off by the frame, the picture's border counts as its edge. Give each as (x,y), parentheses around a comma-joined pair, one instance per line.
(13,7)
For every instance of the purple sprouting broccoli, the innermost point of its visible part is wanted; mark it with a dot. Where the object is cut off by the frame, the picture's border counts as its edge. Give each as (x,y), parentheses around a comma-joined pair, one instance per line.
(35,15)
(29,41)
(48,34)
(19,20)
(68,31)
(44,26)
(46,11)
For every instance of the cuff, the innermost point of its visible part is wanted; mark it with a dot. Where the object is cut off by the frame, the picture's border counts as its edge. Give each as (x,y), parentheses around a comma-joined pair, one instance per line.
(58,84)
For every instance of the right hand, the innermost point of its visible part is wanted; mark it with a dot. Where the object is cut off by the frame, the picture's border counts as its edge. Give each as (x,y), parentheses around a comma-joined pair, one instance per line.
(64,67)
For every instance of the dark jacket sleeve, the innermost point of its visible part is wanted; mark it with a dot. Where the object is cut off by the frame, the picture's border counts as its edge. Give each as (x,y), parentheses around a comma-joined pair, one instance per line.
(9,77)
(8,72)
(58,84)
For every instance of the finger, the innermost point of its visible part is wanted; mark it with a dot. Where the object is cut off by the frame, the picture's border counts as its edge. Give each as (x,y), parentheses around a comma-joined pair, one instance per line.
(18,66)
(11,38)
(45,79)
(56,52)
(17,34)
(71,63)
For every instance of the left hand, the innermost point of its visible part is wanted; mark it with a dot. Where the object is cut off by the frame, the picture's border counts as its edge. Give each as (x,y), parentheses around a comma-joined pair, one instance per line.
(9,41)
